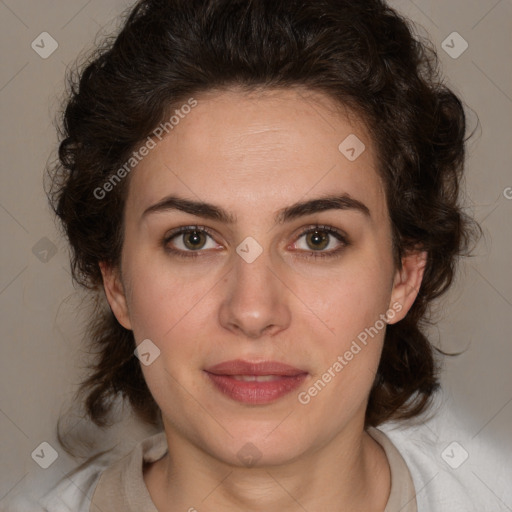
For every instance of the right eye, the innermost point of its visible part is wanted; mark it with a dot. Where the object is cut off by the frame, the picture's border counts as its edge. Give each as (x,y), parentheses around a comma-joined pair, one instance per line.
(187,241)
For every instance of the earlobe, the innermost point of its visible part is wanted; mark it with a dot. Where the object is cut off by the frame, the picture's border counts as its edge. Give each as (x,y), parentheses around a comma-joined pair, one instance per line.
(407,283)
(115,293)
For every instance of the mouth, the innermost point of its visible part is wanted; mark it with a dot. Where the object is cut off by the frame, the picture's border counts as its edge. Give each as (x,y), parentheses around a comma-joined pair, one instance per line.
(257,378)
(255,383)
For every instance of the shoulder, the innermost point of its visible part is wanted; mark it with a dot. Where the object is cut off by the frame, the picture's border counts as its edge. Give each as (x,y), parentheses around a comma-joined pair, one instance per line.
(74,492)
(453,470)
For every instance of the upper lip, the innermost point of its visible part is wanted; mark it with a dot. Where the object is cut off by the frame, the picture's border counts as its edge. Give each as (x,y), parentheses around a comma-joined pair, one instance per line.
(241,367)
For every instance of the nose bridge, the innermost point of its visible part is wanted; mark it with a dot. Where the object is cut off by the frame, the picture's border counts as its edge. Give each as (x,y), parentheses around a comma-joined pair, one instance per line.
(252,278)
(255,301)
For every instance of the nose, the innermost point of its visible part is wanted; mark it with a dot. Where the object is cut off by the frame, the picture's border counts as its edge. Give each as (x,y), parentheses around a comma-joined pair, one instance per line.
(256,302)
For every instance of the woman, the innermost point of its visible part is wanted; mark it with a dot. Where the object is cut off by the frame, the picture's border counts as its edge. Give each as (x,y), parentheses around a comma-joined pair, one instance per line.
(267,194)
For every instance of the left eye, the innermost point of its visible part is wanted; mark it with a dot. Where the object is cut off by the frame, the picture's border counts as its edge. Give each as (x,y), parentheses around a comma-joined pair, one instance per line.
(321,239)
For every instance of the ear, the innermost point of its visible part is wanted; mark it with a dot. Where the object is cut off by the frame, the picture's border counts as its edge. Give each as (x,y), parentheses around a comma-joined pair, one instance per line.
(115,293)
(406,284)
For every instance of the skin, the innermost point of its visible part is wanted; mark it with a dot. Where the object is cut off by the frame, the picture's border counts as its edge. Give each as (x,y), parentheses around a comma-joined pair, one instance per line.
(254,154)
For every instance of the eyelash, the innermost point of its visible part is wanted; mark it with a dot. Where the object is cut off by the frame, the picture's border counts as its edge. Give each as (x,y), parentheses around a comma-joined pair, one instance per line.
(340,236)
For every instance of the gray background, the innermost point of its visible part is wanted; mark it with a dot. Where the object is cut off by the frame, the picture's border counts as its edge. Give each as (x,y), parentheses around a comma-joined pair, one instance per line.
(41,358)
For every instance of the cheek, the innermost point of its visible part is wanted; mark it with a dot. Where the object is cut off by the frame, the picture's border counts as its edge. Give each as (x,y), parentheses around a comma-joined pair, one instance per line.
(353,304)
(163,303)
(171,312)
(347,360)
(352,299)
(353,351)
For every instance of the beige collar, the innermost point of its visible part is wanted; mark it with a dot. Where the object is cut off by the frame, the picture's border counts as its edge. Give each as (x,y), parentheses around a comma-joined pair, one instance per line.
(402,497)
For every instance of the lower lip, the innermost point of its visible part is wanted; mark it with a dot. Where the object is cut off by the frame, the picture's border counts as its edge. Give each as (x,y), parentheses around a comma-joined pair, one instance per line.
(256,392)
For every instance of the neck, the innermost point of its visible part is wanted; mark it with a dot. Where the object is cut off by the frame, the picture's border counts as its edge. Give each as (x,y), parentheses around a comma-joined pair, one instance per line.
(349,473)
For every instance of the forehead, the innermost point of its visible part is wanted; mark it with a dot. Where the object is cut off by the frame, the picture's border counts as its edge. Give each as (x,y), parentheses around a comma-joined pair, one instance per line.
(250,151)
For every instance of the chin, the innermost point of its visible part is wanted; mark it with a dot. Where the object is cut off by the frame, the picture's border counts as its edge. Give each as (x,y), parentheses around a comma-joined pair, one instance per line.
(258,447)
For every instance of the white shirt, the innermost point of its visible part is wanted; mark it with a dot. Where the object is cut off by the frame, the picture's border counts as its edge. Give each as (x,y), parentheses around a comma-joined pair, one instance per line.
(451,471)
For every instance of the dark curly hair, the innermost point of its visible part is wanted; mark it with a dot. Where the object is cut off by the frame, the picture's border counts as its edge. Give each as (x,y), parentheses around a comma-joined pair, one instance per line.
(360,53)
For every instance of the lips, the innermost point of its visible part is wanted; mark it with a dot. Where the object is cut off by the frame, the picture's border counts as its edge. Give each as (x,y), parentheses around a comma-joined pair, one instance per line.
(255,383)
(240,367)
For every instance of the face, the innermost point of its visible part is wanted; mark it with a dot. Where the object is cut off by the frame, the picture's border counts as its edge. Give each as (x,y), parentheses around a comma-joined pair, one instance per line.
(271,273)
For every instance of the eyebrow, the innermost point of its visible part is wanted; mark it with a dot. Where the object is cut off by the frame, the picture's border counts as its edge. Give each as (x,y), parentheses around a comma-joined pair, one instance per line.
(287,214)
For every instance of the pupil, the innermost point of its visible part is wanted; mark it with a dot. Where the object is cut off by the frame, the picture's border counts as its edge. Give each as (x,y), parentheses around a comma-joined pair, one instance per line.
(318,238)
(193,239)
